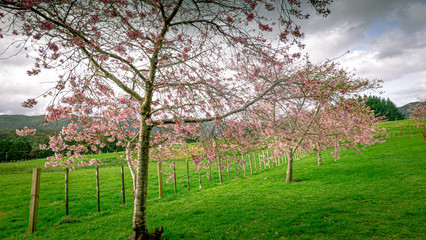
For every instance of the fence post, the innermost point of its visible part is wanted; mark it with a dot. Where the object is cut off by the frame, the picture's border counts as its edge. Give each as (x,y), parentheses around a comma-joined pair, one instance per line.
(254,160)
(160,179)
(244,164)
(199,179)
(66,191)
(220,171)
(122,185)
(35,188)
(187,173)
(98,196)
(251,164)
(174,176)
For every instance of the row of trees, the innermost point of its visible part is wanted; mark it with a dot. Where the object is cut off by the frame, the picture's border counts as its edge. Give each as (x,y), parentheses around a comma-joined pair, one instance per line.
(129,66)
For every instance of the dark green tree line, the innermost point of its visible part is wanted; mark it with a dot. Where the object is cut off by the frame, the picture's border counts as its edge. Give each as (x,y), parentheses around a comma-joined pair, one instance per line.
(384,107)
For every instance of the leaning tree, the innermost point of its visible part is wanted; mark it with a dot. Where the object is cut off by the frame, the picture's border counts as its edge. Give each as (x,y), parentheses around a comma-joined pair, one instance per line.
(173,58)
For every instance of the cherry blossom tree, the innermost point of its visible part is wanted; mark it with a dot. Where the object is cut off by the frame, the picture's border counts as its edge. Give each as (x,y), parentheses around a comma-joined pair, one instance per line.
(179,61)
(418,114)
(317,108)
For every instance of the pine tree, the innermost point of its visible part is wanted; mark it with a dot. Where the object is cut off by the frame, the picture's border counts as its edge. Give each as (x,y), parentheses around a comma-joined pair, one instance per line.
(384,107)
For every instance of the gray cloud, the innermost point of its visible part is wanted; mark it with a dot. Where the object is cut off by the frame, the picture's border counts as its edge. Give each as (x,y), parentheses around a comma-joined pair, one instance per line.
(386,39)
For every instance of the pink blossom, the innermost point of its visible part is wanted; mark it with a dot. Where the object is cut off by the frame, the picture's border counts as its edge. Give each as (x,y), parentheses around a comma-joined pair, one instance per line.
(26,131)
(53,47)
(265,27)
(47,26)
(250,17)
(82,163)
(269,7)
(31,102)
(37,36)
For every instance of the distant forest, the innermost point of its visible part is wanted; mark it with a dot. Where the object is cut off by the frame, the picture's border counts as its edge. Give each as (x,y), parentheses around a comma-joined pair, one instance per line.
(14,147)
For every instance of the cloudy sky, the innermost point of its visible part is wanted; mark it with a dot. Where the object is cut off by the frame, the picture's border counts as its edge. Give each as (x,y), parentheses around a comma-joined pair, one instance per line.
(386,40)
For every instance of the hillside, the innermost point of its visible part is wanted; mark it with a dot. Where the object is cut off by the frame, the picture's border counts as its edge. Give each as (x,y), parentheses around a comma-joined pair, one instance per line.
(13,122)
(404,109)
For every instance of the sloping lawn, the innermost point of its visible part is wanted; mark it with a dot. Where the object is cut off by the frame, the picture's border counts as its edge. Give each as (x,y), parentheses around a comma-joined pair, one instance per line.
(379,194)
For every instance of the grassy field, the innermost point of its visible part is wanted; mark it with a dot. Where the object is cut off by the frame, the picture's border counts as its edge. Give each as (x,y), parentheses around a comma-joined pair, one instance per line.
(378,194)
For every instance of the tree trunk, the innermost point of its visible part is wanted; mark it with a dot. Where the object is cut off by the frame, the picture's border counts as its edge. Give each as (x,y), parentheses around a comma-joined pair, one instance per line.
(220,171)
(160,179)
(319,157)
(289,175)
(132,170)
(139,227)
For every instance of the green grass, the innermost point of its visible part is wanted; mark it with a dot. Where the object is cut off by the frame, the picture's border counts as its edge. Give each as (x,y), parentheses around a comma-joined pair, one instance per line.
(406,127)
(378,194)
(398,124)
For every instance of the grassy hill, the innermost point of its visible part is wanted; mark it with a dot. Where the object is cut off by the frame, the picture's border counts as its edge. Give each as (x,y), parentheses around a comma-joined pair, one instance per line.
(13,122)
(379,194)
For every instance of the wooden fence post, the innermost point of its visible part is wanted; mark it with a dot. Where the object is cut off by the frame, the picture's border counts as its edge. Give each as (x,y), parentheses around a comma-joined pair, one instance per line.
(254,160)
(220,171)
(174,176)
(123,193)
(98,196)
(160,179)
(244,164)
(187,174)
(251,164)
(35,189)
(66,191)
(199,179)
